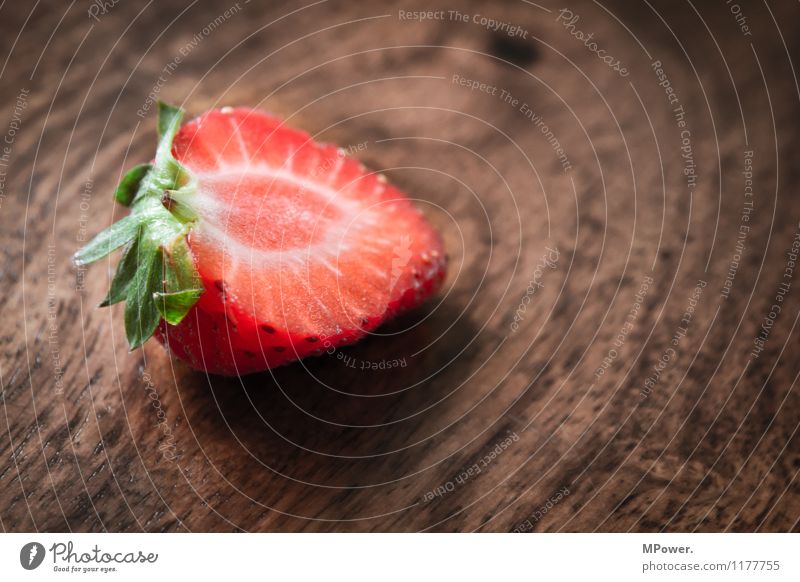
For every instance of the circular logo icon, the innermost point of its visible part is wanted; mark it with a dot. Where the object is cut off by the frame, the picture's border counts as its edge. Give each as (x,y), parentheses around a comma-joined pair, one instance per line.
(31,555)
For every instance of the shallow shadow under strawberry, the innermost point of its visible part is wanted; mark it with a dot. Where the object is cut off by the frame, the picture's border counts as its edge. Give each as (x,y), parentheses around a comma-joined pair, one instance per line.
(324,419)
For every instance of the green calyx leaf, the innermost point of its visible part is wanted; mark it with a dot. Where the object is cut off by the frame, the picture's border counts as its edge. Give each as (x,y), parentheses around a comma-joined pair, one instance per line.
(126,271)
(127,189)
(141,313)
(173,307)
(109,240)
(156,277)
(181,287)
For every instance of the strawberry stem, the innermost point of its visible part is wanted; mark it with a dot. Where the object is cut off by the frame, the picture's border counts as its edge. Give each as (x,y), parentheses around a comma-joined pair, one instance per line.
(156,276)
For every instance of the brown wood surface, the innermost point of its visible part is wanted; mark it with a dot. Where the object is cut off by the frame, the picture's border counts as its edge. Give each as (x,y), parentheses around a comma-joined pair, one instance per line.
(327,446)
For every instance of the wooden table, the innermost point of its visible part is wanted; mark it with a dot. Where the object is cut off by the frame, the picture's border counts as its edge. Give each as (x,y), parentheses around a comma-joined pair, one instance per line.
(619,210)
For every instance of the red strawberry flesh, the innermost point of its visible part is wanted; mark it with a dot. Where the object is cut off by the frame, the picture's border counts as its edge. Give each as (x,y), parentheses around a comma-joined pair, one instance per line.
(299,248)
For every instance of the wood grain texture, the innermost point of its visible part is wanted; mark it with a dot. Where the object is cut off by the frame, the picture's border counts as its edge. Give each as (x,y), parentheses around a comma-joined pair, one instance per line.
(93,438)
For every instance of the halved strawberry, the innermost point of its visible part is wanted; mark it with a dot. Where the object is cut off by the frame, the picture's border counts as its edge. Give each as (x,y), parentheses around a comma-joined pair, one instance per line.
(249,245)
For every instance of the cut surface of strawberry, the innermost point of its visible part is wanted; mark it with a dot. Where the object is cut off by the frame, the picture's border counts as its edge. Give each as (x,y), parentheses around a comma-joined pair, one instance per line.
(258,246)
